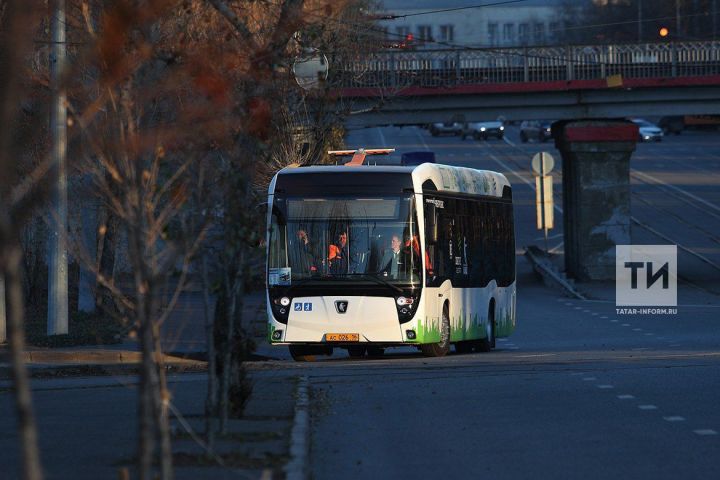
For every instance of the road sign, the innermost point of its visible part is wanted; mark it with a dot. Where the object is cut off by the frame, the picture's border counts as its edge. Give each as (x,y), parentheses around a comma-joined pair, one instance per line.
(544,202)
(542,163)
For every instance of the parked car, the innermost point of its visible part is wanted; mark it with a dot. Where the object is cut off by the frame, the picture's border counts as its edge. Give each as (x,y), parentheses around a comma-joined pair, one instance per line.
(483,130)
(670,125)
(446,128)
(538,130)
(647,131)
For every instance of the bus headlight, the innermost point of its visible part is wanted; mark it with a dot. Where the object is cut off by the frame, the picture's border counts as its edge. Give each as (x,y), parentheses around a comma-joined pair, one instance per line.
(482,129)
(281,308)
(406,306)
(502,128)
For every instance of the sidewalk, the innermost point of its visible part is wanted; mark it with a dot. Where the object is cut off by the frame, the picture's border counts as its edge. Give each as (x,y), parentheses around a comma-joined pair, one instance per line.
(257,446)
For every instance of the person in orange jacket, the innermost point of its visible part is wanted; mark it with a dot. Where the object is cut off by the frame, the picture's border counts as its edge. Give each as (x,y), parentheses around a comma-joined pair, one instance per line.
(338,255)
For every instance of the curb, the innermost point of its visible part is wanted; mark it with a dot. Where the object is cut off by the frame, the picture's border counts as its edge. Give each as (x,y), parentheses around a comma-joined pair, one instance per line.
(297,468)
(552,278)
(96,369)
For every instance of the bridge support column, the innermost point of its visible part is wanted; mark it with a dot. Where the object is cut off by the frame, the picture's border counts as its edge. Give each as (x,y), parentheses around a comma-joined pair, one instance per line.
(596,193)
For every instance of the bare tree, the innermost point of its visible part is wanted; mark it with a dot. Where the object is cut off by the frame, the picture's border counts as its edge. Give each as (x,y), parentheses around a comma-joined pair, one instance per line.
(21,190)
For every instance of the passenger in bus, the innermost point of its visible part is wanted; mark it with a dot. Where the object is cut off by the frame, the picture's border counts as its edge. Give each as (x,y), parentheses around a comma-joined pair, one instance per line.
(339,255)
(414,244)
(394,262)
(304,253)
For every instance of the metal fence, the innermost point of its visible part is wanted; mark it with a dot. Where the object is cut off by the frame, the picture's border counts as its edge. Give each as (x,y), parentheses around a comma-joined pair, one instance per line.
(438,68)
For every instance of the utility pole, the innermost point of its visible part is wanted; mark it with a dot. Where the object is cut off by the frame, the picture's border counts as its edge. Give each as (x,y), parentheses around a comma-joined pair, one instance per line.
(677,17)
(714,19)
(57,321)
(3,319)
(640,22)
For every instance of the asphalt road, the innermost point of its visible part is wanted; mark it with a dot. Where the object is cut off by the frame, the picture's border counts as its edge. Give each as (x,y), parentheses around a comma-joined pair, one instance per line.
(579,391)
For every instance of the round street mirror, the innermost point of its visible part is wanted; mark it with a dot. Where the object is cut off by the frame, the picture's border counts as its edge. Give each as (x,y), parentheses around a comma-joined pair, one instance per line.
(311,70)
(543,163)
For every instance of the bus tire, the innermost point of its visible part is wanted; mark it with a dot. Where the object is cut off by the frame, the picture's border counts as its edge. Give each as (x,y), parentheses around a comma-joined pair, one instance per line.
(375,351)
(356,351)
(441,348)
(301,353)
(463,347)
(486,344)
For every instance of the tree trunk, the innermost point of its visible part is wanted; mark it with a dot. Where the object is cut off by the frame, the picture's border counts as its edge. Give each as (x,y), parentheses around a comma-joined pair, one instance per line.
(108,226)
(162,400)
(146,411)
(211,399)
(32,469)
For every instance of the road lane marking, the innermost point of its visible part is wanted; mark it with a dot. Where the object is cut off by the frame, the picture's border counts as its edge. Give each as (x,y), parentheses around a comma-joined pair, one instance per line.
(637,329)
(605,387)
(625,324)
(705,431)
(614,320)
(678,189)
(589,379)
(648,334)
(626,397)
(417,132)
(647,407)
(537,355)
(382,137)
(674,418)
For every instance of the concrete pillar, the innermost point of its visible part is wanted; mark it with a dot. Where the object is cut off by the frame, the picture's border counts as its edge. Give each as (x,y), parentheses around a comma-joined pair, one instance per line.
(596,193)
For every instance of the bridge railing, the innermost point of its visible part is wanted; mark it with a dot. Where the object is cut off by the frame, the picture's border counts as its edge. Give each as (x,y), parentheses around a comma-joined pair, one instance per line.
(438,68)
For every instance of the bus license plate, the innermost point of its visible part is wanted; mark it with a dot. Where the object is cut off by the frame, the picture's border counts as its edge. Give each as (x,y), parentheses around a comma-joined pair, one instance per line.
(342,337)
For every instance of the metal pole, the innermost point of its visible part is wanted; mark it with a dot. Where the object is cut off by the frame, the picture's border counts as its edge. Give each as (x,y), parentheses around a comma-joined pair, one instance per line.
(542,198)
(677,17)
(640,22)
(57,322)
(3,319)
(714,19)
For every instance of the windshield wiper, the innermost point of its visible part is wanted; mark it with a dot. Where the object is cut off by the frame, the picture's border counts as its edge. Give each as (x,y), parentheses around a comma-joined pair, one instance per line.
(376,280)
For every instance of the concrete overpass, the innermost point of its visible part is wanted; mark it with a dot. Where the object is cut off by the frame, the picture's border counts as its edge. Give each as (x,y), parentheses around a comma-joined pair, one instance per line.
(590,81)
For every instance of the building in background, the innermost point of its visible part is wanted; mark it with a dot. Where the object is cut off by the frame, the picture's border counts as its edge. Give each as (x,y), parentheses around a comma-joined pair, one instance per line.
(530,22)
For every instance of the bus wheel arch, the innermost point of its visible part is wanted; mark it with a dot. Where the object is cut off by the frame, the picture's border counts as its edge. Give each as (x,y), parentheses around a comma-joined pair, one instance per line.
(441,348)
(488,343)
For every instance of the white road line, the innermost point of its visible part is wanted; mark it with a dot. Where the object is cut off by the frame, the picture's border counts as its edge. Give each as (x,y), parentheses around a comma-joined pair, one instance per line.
(675,418)
(568,304)
(625,324)
(649,334)
(422,140)
(637,329)
(578,308)
(705,431)
(605,387)
(647,407)
(595,314)
(605,317)
(677,189)
(589,379)
(613,320)
(382,137)
(510,170)
(626,397)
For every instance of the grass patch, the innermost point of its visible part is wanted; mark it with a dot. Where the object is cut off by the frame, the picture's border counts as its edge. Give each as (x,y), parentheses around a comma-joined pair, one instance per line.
(84,329)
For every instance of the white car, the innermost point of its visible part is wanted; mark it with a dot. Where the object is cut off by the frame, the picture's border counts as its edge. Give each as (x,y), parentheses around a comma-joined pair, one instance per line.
(483,130)
(648,131)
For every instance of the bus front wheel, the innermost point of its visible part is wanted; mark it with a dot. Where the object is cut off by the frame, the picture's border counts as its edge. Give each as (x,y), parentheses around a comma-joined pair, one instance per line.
(356,351)
(486,344)
(307,353)
(441,348)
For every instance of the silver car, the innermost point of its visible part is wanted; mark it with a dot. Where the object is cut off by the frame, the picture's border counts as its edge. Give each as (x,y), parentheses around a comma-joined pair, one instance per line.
(648,131)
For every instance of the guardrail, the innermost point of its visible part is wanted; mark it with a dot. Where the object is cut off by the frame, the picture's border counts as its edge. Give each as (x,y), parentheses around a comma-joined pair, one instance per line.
(444,68)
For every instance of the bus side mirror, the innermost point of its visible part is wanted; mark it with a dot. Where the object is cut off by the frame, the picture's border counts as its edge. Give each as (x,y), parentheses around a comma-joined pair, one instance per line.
(431,223)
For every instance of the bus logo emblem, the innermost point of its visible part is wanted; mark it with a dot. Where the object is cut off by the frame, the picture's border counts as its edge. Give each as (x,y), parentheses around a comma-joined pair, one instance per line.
(341,306)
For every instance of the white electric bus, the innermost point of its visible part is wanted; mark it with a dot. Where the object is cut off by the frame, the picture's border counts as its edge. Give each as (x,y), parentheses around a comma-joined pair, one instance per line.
(369,257)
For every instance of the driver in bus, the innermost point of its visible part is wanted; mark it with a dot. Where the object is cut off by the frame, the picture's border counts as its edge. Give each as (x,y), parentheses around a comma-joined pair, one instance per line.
(338,255)
(394,261)
(304,253)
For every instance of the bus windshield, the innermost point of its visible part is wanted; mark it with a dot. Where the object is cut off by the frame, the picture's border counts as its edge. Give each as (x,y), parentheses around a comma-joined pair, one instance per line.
(344,239)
